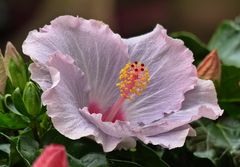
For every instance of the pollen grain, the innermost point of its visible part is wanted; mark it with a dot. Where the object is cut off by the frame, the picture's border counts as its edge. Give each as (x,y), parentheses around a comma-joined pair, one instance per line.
(134,78)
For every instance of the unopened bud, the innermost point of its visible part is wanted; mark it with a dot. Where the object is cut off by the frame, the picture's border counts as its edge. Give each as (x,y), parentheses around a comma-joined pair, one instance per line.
(15,66)
(11,53)
(17,77)
(210,67)
(31,99)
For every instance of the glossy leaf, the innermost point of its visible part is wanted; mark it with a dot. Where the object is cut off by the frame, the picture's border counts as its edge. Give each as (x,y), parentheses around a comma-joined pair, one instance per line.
(216,140)
(143,155)
(226,41)
(9,104)
(184,158)
(18,102)
(122,163)
(27,147)
(91,160)
(5,148)
(230,84)
(14,159)
(12,121)
(229,90)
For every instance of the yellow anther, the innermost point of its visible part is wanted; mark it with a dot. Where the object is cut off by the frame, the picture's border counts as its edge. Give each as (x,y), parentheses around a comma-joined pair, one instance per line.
(134,78)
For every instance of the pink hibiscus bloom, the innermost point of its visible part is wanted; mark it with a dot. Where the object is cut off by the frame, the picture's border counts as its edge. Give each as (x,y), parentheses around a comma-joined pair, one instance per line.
(116,90)
(52,156)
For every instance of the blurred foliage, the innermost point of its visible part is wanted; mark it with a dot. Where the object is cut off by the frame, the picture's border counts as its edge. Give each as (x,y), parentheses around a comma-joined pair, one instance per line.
(226,41)
(26,129)
(219,141)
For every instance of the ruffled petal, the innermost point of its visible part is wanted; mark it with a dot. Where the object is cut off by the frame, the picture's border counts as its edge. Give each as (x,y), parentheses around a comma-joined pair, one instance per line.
(97,51)
(119,129)
(41,75)
(66,95)
(199,102)
(64,99)
(171,75)
(172,139)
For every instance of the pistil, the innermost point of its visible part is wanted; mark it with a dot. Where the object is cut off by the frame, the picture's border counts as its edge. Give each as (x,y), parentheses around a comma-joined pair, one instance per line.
(134,78)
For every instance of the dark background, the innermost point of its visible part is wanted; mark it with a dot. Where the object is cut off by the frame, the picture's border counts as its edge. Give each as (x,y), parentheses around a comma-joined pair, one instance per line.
(126,17)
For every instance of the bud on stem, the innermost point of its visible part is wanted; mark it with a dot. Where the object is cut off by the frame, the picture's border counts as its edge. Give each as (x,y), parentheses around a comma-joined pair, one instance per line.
(31,99)
(210,67)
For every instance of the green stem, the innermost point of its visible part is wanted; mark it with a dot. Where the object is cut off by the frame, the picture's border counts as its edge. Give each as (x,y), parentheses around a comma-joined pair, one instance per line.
(34,126)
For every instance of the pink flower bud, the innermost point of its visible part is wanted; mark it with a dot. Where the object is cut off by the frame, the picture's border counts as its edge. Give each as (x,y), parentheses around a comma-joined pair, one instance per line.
(52,156)
(210,67)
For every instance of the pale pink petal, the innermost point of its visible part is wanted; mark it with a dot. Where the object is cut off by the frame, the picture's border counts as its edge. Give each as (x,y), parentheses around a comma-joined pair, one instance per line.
(66,95)
(119,129)
(41,75)
(199,102)
(117,133)
(65,98)
(97,51)
(171,139)
(109,143)
(52,156)
(171,75)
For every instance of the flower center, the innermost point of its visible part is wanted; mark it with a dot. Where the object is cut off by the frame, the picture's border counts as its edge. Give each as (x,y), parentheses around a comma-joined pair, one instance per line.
(134,78)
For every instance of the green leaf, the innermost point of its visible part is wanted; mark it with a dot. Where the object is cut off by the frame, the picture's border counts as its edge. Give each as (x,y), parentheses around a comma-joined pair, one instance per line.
(184,158)
(9,87)
(9,104)
(5,148)
(216,141)
(74,162)
(228,90)
(148,157)
(18,102)
(12,121)
(226,41)
(27,147)
(22,149)
(2,106)
(198,48)
(89,160)
(14,157)
(122,163)
(143,155)
(94,160)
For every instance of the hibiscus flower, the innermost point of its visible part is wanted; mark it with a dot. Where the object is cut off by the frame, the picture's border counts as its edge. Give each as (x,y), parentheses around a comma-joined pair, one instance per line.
(115,90)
